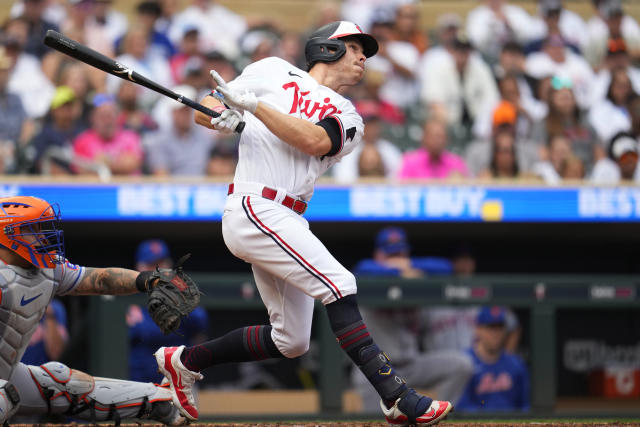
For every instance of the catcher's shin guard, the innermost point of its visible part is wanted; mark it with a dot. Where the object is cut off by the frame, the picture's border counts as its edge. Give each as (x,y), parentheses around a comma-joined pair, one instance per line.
(82,396)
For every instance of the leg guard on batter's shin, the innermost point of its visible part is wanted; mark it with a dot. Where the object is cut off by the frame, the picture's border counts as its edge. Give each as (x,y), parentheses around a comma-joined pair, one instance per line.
(9,401)
(82,396)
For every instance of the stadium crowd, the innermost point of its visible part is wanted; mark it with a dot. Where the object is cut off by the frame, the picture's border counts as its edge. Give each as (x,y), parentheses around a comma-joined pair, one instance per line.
(500,94)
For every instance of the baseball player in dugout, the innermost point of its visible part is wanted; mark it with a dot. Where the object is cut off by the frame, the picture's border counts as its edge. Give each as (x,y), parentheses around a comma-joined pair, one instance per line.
(297,126)
(34,270)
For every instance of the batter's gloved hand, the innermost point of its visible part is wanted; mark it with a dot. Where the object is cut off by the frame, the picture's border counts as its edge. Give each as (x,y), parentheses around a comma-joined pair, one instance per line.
(227,121)
(173,296)
(243,101)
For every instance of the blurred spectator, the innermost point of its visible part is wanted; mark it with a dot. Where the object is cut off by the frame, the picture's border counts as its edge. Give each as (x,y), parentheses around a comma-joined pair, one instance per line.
(446,32)
(215,60)
(504,161)
(14,127)
(348,170)
(432,160)
(188,50)
(291,49)
(406,25)
(38,26)
(147,13)
(500,380)
(611,115)
(58,132)
(444,371)
(494,23)
(144,335)
(370,163)
(183,148)
(362,12)
(103,25)
(223,158)
(138,56)
(634,112)
(26,78)
(622,163)
(566,118)
(50,339)
(107,143)
(257,44)
(555,59)
(458,86)
(396,62)
(76,76)
(54,11)
(481,154)
(556,19)
(617,58)
(529,111)
(610,21)
(131,115)
(562,163)
(224,36)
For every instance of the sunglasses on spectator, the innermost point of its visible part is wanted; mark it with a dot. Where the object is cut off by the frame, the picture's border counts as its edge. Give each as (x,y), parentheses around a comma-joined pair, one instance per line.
(561,83)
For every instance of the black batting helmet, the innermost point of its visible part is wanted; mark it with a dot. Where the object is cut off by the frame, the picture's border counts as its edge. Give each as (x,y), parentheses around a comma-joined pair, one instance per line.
(324,45)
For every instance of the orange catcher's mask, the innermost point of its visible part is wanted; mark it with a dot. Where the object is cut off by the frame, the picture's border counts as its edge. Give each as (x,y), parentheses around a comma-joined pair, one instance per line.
(30,227)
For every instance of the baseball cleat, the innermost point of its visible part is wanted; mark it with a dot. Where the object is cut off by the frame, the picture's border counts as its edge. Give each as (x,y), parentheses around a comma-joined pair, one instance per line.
(435,413)
(181,380)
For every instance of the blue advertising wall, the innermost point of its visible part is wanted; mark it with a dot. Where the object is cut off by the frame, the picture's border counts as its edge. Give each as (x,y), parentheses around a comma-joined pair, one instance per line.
(378,202)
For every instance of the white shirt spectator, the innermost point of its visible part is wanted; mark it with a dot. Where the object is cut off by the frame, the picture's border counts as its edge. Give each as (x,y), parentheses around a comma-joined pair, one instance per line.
(598,33)
(572,27)
(540,65)
(607,119)
(442,84)
(398,90)
(153,67)
(29,82)
(488,33)
(361,11)
(603,80)
(220,28)
(606,171)
(102,36)
(346,170)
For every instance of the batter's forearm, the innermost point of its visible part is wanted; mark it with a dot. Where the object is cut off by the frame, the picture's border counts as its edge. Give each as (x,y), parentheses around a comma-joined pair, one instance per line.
(107,281)
(301,134)
(201,118)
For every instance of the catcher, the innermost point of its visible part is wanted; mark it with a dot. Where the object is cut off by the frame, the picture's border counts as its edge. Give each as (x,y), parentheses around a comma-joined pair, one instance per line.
(33,270)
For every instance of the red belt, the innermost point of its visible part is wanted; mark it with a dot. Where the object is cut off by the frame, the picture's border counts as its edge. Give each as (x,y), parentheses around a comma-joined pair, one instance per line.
(298,206)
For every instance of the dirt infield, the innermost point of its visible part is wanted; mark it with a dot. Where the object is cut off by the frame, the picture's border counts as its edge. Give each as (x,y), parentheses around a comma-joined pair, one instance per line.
(370,424)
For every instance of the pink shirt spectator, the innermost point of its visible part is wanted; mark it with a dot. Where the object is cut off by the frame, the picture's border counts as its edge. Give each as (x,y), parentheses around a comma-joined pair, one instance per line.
(90,146)
(417,164)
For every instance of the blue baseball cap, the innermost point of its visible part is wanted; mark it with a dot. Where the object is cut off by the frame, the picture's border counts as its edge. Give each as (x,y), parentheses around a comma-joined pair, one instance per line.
(100,99)
(492,315)
(150,251)
(392,240)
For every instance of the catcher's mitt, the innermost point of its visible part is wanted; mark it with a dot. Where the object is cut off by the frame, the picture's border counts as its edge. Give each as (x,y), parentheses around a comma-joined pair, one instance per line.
(174,296)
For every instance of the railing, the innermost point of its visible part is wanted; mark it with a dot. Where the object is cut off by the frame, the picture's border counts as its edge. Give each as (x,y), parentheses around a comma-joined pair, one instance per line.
(541,295)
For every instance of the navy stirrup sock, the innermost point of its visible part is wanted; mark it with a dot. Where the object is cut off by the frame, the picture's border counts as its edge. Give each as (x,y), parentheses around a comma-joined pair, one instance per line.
(353,337)
(240,345)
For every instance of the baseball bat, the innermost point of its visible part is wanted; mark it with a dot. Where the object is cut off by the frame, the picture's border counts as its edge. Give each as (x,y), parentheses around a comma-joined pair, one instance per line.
(89,56)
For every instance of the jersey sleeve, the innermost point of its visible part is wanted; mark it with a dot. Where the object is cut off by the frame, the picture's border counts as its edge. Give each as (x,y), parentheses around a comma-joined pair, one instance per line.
(69,275)
(255,76)
(348,130)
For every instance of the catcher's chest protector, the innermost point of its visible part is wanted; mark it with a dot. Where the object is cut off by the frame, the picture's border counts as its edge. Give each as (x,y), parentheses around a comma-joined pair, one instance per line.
(24,298)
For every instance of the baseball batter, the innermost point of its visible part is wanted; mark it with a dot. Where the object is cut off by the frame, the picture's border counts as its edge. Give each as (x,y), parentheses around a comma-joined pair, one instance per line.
(297,126)
(33,270)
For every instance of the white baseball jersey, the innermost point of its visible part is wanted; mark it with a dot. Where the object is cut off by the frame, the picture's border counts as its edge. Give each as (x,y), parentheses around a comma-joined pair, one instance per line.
(263,157)
(25,296)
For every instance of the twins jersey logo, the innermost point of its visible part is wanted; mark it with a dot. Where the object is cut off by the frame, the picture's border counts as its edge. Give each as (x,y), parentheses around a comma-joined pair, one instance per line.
(302,103)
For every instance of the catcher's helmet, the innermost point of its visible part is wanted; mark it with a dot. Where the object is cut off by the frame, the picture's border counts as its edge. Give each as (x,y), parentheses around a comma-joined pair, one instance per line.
(324,45)
(29,226)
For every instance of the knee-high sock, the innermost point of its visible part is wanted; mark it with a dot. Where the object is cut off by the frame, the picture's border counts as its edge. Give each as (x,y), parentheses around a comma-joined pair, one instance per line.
(240,345)
(355,340)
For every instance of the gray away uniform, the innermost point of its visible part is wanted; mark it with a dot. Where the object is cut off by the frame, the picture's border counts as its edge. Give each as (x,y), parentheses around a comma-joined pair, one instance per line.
(53,387)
